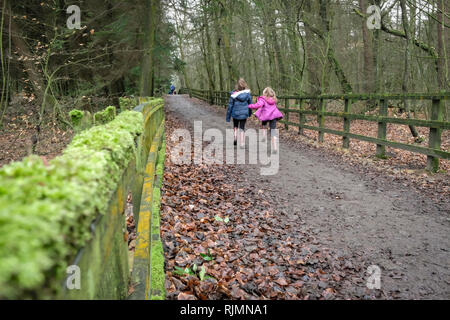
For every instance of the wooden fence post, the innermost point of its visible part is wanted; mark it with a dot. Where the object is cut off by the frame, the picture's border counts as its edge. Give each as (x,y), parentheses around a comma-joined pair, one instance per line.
(347,120)
(437,114)
(286,105)
(301,118)
(321,119)
(381,150)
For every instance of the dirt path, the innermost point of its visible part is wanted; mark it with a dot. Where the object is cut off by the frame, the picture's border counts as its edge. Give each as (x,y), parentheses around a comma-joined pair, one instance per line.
(369,221)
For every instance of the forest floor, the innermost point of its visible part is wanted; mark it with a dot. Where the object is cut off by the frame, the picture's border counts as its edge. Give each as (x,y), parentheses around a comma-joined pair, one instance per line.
(309,232)
(19,128)
(16,138)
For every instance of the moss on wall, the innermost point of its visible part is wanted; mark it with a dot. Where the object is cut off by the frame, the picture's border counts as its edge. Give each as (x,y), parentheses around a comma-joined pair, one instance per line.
(105,116)
(46,211)
(127,104)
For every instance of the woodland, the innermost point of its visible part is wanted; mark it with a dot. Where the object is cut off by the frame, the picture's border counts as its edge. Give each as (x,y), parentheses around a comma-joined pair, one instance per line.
(73,71)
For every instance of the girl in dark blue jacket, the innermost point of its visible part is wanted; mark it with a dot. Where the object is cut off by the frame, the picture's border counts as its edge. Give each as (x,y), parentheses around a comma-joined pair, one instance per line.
(238,109)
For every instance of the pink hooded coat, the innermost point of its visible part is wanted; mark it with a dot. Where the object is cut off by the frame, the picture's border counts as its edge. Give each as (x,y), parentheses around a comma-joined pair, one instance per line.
(267,109)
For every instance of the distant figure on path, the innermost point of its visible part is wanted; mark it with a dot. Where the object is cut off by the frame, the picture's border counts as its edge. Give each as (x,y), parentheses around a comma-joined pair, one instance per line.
(268,113)
(172,89)
(238,109)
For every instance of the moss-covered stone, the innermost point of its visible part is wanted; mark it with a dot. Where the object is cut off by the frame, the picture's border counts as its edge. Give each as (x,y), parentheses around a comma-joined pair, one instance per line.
(81,120)
(76,116)
(105,116)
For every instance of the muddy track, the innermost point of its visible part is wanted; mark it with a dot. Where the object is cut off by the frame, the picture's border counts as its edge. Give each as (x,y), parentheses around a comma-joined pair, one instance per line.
(371,221)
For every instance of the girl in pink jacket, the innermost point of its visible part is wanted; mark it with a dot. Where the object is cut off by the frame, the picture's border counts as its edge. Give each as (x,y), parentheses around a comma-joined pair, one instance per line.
(268,113)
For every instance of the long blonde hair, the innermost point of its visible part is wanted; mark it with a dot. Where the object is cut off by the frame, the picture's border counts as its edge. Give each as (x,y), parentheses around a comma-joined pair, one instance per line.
(270,93)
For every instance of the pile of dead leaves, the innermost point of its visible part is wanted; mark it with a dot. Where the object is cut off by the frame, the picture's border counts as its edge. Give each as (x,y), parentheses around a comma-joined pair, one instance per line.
(131,224)
(222,242)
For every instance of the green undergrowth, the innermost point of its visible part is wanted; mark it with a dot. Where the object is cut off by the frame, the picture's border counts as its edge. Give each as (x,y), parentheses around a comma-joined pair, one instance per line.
(46,211)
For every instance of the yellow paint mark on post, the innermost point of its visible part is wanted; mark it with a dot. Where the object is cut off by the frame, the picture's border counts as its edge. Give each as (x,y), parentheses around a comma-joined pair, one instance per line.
(120,199)
(143,238)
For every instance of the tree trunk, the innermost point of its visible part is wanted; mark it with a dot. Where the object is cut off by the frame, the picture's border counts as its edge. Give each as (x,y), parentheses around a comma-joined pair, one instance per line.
(227,26)
(369,83)
(407,63)
(282,76)
(324,35)
(208,66)
(312,64)
(147,81)
(250,56)
(271,57)
(219,48)
(296,55)
(442,42)
(207,52)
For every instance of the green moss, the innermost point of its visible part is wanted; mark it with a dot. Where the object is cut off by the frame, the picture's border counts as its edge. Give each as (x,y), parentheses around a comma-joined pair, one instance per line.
(158,275)
(76,116)
(156,211)
(105,116)
(161,159)
(81,120)
(126,104)
(46,211)
(382,156)
(157,253)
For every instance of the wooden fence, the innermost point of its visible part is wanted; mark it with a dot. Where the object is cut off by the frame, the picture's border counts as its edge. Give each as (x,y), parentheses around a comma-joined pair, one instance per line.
(436,124)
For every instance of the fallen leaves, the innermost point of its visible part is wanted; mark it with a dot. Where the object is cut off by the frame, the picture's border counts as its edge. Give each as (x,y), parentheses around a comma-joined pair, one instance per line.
(281,282)
(185,296)
(222,241)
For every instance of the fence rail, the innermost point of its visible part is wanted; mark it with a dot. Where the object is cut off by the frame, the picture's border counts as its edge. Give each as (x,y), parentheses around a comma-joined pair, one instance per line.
(436,124)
